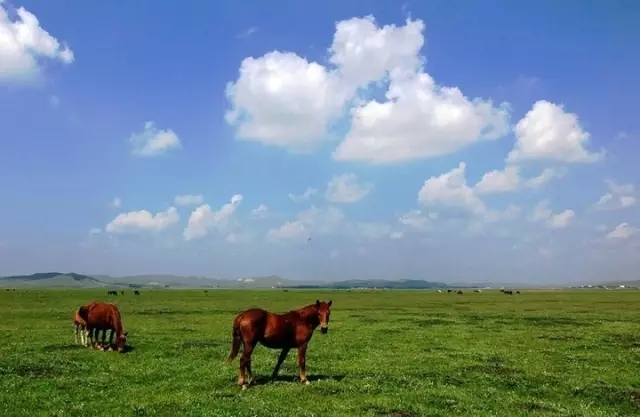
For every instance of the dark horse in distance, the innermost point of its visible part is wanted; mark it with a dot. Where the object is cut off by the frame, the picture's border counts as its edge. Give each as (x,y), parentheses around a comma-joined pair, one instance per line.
(277,331)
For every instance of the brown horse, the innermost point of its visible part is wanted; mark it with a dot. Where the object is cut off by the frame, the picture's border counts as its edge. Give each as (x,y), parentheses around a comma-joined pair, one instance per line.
(277,331)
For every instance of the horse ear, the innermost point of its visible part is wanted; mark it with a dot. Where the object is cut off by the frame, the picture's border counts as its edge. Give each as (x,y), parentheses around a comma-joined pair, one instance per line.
(317,303)
(329,303)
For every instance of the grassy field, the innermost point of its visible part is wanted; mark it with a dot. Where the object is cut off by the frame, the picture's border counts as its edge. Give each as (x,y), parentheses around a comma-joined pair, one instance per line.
(387,353)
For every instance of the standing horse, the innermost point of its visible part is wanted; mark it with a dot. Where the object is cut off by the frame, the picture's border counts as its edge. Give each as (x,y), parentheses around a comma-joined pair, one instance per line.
(277,331)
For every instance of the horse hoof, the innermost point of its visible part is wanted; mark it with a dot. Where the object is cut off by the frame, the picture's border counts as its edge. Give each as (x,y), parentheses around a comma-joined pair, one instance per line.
(244,387)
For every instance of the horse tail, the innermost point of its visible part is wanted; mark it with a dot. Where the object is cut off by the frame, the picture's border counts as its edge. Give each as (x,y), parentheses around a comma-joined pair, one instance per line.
(235,344)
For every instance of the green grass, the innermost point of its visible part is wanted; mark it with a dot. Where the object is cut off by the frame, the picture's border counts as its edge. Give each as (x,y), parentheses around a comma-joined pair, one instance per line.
(388,353)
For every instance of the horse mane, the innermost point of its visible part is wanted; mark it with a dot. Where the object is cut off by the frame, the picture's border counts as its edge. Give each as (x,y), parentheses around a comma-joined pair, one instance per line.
(305,312)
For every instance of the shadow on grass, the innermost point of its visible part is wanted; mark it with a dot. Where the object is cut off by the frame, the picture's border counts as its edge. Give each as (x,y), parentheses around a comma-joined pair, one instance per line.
(264,380)
(59,348)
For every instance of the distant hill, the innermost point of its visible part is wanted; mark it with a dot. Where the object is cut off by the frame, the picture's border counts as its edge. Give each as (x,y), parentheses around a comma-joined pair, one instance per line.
(74,280)
(51,279)
(381,283)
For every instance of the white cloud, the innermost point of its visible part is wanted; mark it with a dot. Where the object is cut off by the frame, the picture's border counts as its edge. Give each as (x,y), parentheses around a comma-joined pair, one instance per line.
(416,219)
(95,231)
(451,190)
(293,230)
(543,213)
(260,212)
(203,219)
(621,232)
(153,142)
(25,46)
(561,220)
(188,199)
(549,133)
(509,179)
(346,189)
(116,202)
(322,220)
(284,100)
(135,221)
(308,193)
(618,197)
(311,221)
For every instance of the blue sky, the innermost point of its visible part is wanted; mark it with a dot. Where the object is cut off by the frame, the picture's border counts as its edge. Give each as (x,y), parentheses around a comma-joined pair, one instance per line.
(443,140)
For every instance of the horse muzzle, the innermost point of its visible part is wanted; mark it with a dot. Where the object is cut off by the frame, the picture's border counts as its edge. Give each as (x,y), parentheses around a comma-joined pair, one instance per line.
(324,330)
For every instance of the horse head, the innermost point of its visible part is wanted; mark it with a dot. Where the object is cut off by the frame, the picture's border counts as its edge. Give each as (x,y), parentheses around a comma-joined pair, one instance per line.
(324,313)
(120,341)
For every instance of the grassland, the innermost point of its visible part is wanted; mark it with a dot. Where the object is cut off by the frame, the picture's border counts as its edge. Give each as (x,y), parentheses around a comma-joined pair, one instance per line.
(388,353)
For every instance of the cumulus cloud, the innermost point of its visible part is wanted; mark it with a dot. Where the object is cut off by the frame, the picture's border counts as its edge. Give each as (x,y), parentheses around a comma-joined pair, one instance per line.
(152,141)
(345,188)
(451,190)
(260,212)
(543,213)
(203,219)
(416,219)
(188,200)
(306,195)
(292,230)
(25,46)
(314,220)
(451,193)
(142,220)
(510,179)
(282,99)
(619,196)
(549,133)
(622,231)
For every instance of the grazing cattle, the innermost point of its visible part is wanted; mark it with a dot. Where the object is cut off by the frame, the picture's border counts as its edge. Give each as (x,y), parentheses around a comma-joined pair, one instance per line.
(508,292)
(206,292)
(502,290)
(136,292)
(101,316)
(121,292)
(517,292)
(449,290)
(112,292)
(277,331)
(459,292)
(477,290)
(439,291)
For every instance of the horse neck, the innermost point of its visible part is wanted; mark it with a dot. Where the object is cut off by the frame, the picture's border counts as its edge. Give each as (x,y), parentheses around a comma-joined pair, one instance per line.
(117,323)
(309,315)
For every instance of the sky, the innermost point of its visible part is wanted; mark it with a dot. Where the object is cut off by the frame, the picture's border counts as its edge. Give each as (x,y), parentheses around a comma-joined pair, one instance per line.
(444,140)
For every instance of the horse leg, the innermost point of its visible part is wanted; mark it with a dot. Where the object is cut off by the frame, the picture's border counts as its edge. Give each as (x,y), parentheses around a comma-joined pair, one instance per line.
(76,333)
(281,358)
(302,363)
(245,364)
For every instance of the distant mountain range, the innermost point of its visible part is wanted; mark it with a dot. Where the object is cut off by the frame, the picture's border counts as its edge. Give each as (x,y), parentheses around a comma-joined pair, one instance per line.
(74,280)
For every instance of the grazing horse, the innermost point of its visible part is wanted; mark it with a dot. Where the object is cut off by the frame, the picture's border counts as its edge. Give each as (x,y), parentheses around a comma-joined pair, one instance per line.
(136,292)
(277,331)
(101,316)
(80,326)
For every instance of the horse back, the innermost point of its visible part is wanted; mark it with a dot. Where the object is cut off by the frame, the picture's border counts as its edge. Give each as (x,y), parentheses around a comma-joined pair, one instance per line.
(103,316)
